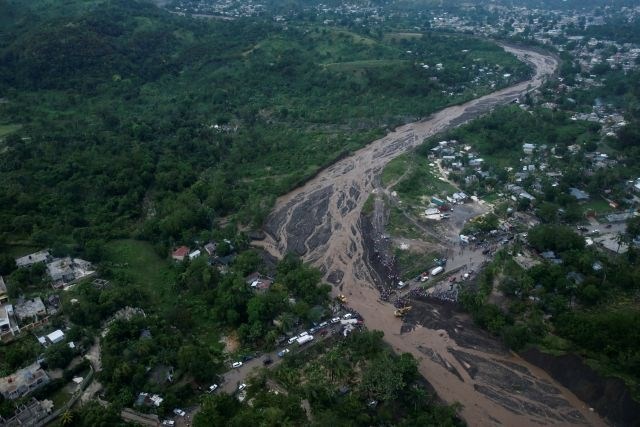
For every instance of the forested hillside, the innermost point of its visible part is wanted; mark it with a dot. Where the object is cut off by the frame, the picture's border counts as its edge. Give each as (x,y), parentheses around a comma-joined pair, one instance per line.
(118,118)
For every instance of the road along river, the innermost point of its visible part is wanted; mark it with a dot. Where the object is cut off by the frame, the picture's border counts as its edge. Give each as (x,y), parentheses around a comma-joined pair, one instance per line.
(321,221)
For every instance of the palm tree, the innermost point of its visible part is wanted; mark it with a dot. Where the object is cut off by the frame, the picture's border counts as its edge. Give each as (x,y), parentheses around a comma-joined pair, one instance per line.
(336,364)
(67,418)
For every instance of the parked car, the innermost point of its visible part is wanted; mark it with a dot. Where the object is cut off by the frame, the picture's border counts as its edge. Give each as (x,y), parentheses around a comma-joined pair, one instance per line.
(242,387)
(168,423)
(282,352)
(347,316)
(323,325)
(236,364)
(179,412)
(292,340)
(335,320)
(213,388)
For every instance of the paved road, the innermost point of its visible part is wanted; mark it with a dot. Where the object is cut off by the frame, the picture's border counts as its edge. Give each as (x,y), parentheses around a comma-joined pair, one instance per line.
(236,376)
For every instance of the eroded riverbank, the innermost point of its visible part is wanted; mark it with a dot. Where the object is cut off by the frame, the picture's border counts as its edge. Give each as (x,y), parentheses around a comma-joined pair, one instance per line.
(322,222)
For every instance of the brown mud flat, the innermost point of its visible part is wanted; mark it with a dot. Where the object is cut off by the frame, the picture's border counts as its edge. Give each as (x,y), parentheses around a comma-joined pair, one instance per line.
(322,222)
(484,365)
(609,396)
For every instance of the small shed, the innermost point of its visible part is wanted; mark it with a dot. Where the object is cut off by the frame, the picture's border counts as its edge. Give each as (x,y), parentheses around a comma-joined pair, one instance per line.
(55,336)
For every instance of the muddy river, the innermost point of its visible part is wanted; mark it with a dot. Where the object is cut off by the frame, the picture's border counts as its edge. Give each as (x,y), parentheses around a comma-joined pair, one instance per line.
(321,222)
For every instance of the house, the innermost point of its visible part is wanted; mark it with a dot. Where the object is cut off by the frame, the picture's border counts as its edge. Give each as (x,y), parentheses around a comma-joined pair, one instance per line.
(211,248)
(8,325)
(528,148)
(144,399)
(551,257)
(476,162)
(33,307)
(66,271)
(34,258)
(459,197)
(55,336)
(4,296)
(262,285)
(180,253)
(23,381)
(5,324)
(579,195)
(28,414)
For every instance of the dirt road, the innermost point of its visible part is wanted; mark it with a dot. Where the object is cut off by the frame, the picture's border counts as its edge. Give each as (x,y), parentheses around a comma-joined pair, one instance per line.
(321,222)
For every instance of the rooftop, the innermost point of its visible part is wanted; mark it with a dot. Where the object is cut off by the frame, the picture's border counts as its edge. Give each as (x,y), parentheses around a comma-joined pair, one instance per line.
(182,251)
(4,297)
(579,194)
(56,336)
(30,308)
(69,269)
(23,381)
(34,258)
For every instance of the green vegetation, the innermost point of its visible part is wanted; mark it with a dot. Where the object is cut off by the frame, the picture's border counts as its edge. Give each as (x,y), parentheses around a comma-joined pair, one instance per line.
(355,381)
(157,125)
(413,262)
(13,356)
(415,178)
(400,226)
(7,129)
(499,136)
(369,204)
(585,300)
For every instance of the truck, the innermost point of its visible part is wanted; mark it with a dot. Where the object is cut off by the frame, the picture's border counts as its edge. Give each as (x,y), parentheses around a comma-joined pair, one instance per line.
(437,270)
(305,339)
(348,321)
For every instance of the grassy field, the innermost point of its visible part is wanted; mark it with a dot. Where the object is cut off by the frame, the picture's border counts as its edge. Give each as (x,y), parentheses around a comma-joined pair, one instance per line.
(600,206)
(402,36)
(419,180)
(398,225)
(395,169)
(364,64)
(7,129)
(137,262)
(412,263)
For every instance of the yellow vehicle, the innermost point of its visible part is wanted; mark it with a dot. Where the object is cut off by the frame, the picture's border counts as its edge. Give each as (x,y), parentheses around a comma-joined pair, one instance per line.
(402,311)
(341,298)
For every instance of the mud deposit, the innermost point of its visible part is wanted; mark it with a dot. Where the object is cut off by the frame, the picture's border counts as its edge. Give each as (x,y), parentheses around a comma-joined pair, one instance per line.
(481,361)
(322,221)
(609,396)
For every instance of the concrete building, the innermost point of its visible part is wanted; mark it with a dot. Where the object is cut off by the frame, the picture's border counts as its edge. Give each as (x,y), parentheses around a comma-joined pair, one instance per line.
(34,258)
(579,195)
(28,414)
(4,295)
(31,308)
(23,381)
(66,271)
(8,325)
